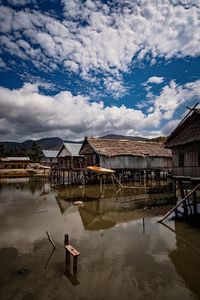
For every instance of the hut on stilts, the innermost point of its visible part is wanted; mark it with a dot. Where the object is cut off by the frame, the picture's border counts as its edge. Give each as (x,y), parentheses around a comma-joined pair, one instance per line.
(69,168)
(129,159)
(184,142)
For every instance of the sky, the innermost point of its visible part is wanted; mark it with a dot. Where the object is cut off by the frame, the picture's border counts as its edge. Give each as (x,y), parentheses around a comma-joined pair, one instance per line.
(72,68)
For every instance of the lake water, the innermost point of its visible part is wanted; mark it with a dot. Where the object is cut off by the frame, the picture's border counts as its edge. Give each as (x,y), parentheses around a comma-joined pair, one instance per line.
(122,256)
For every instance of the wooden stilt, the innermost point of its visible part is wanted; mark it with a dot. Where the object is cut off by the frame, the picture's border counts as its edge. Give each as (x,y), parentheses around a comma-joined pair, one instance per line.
(67,255)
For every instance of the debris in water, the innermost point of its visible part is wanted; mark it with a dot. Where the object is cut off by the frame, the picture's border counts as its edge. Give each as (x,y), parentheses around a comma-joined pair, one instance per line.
(23,271)
(78,203)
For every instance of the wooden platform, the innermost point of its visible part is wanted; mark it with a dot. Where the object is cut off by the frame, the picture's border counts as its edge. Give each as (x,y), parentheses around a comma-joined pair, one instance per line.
(72,250)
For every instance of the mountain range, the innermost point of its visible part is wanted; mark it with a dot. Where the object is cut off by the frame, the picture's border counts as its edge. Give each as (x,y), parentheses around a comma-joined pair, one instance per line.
(55,143)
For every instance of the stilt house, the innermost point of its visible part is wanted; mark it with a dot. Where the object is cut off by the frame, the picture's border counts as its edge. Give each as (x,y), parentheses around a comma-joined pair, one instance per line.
(126,154)
(184,142)
(49,157)
(68,156)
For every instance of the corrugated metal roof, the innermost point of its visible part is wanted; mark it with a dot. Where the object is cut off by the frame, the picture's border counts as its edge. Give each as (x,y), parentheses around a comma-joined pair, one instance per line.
(112,147)
(186,132)
(15,158)
(73,148)
(50,153)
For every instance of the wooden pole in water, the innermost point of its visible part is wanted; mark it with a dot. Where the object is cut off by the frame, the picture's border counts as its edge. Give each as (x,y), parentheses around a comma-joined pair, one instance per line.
(50,239)
(143,223)
(112,177)
(67,255)
(194,196)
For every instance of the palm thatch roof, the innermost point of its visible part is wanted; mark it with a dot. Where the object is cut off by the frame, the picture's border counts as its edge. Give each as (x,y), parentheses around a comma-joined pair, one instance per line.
(115,147)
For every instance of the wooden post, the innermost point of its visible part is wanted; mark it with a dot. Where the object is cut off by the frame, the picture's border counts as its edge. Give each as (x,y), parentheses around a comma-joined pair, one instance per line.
(143,223)
(194,200)
(75,265)
(67,254)
(183,196)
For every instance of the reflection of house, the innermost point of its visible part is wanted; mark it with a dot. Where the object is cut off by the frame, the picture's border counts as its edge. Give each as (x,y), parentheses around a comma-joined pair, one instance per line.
(186,257)
(126,154)
(101,213)
(185,144)
(14,162)
(49,157)
(68,156)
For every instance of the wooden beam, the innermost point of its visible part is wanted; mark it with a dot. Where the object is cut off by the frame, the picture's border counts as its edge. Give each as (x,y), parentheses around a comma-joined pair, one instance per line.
(72,250)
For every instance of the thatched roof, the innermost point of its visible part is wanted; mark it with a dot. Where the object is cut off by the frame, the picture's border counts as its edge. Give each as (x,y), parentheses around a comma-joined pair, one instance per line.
(187,131)
(114,147)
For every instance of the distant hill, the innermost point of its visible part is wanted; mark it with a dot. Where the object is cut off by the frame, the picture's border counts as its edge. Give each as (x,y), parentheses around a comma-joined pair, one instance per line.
(46,143)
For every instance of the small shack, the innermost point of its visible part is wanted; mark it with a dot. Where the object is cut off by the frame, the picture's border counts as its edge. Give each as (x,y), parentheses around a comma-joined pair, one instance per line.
(68,156)
(14,162)
(49,157)
(70,165)
(184,142)
(126,155)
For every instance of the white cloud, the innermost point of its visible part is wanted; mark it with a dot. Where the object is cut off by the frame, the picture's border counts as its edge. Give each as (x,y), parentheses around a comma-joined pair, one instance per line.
(19,2)
(65,115)
(115,86)
(155,79)
(2,63)
(170,126)
(111,37)
(71,116)
(174,95)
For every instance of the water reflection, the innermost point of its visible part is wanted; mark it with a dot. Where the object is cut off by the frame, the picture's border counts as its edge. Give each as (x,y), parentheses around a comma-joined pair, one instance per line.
(186,256)
(99,213)
(117,259)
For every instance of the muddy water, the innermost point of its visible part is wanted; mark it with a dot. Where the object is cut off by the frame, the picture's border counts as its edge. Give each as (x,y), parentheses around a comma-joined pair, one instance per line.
(121,257)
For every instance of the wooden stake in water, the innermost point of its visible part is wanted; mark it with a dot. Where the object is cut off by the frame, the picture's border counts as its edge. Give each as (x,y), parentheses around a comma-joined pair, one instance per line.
(50,239)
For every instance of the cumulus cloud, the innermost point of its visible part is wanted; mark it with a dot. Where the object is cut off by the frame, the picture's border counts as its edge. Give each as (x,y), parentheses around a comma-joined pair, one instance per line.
(155,79)
(2,63)
(65,115)
(97,37)
(70,116)
(174,95)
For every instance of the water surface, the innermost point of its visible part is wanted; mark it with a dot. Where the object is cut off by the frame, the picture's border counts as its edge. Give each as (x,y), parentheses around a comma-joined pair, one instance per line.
(122,257)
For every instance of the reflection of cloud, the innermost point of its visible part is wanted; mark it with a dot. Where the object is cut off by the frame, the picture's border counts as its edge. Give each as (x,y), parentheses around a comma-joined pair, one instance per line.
(25,218)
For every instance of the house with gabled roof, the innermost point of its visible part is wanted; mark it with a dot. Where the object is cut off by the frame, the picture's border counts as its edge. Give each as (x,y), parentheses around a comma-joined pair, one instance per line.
(125,154)
(49,157)
(68,156)
(184,142)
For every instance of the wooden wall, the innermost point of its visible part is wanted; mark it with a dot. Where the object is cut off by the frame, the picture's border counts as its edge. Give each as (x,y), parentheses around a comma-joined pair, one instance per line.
(191,160)
(136,162)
